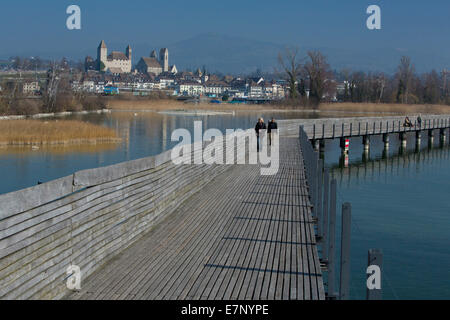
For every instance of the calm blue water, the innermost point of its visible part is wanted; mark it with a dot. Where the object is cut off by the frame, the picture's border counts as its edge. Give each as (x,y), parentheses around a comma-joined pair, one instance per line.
(146,134)
(400,204)
(400,201)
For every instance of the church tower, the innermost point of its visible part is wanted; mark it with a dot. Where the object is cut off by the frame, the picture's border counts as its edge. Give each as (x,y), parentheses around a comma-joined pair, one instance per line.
(164,59)
(128,52)
(102,53)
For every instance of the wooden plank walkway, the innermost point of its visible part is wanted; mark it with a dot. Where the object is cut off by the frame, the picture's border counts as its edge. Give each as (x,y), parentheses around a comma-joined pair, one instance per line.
(243,236)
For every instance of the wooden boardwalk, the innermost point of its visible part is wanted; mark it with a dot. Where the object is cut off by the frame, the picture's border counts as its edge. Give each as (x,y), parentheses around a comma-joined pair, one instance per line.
(243,236)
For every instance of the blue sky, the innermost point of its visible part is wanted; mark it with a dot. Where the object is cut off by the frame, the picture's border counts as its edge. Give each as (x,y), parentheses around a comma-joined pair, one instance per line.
(38,27)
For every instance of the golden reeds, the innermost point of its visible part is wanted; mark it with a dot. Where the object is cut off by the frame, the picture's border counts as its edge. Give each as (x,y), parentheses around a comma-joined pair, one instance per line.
(54,132)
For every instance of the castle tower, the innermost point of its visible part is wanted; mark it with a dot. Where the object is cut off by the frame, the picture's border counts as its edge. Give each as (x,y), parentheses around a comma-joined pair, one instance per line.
(128,52)
(102,54)
(164,59)
(153,55)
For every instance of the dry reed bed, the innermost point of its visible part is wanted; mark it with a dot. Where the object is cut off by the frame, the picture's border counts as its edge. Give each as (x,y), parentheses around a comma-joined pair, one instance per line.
(57,132)
(158,105)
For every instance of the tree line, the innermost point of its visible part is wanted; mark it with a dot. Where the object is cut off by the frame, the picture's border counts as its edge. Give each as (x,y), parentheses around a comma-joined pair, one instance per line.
(311,81)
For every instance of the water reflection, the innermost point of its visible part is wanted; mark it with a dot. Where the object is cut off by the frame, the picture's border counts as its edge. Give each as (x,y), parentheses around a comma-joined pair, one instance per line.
(399,204)
(403,159)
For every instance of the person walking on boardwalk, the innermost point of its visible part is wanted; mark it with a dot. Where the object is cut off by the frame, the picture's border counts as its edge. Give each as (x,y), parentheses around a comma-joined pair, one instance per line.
(260,125)
(407,123)
(419,121)
(271,126)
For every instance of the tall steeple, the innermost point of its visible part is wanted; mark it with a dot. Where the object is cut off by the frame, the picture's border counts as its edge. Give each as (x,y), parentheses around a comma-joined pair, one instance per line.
(128,52)
(102,53)
(164,59)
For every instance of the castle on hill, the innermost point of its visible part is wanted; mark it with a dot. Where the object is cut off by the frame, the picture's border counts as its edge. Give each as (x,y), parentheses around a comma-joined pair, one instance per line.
(115,62)
(118,62)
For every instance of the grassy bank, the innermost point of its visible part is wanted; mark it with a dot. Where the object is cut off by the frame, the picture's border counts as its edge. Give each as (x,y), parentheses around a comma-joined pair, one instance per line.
(36,132)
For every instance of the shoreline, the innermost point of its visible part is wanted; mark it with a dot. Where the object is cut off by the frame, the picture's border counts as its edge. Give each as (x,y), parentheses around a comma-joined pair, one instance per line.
(344,107)
(174,107)
(52,114)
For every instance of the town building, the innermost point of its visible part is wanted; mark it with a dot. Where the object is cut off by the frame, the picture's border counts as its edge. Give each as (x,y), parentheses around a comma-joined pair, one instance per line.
(153,65)
(30,87)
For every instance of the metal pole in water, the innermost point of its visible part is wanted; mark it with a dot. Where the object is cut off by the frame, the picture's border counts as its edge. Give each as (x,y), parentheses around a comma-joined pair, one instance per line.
(326,194)
(344,289)
(319,199)
(331,244)
(374,274)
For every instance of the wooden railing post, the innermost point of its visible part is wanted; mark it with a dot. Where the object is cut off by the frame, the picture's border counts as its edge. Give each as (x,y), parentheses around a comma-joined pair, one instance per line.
(319,178)
(331,242)
(344,290)
(375,261)
(326,195)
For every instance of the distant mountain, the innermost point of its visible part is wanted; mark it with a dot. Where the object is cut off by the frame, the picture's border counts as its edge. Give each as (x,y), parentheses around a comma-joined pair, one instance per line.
(240,55)
(225,54)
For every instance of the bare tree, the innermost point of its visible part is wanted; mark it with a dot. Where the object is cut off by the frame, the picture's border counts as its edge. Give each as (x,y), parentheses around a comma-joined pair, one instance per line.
(405,75)
(291,67)
(431,90)
(319,75)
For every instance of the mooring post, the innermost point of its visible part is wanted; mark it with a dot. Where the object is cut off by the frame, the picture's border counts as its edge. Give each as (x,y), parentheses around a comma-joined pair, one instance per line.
(319,199)
(442,136)
(366,142)
(374,275)
(326,195)
(430,138)
(386,140)
(344,289)
(402,136)
(316,144)
(418,140)
(343,145)
(315,179)
(322,145)
(331,242)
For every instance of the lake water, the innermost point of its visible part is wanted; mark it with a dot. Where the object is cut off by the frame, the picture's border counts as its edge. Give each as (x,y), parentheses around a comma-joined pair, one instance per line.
(399,199)
(400,205)
(144,134)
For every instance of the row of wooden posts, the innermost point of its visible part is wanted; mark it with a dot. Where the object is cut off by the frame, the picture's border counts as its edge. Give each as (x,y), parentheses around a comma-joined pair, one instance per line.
(384,128)
(378,128)
(323,191)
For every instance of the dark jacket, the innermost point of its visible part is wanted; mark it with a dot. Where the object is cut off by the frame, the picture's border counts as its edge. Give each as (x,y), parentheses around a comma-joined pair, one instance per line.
(259,126)
(272,125)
